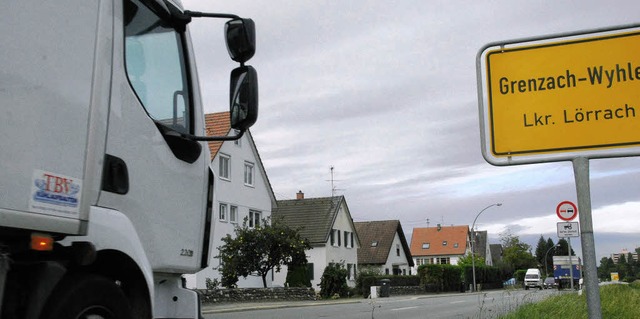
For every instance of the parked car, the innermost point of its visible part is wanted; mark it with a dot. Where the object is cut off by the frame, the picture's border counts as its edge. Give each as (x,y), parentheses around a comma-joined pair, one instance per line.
(550,282)
(510,282)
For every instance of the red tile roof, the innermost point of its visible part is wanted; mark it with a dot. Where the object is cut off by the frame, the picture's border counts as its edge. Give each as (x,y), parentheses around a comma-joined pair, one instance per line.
(217,124)
(435,238)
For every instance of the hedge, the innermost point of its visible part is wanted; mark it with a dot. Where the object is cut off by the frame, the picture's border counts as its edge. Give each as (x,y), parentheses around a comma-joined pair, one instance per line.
(440,278)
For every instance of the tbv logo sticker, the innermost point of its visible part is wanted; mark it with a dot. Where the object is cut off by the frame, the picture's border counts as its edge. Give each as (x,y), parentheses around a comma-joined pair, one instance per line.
(56,190)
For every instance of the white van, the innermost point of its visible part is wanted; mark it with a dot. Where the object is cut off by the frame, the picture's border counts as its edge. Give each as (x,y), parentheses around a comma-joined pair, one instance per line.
(533,278)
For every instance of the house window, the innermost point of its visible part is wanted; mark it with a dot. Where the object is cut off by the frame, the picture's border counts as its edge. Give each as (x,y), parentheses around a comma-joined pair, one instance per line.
(397,249)
(444,243)
(254,218)
(222,214)
(223,166)
(335,238)
(310,271)
(249,173)
(426,245)
(348,239)
(237,142)
(352,244)
(455,245)
(374,243)
(233,214)
(386,271)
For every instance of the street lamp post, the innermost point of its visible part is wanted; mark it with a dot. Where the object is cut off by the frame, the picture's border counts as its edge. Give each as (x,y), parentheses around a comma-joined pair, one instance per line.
(546,269)
(473,256)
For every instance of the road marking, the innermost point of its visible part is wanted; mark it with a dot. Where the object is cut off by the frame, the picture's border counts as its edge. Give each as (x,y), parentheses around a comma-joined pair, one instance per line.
(405,308)
(461,301)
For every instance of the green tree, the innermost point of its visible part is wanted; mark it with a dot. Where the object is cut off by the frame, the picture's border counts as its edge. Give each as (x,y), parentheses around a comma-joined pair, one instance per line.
(334,281)
(541,249)
(516,253)
(544,253)
(466,260)
(606,268)
(563,250)
(259,250)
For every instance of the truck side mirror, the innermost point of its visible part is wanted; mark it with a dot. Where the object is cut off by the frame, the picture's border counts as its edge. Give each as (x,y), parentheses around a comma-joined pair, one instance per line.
(243,97)
(240,39)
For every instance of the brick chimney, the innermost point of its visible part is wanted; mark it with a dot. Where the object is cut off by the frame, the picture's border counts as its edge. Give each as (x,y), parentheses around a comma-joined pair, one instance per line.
(300,195)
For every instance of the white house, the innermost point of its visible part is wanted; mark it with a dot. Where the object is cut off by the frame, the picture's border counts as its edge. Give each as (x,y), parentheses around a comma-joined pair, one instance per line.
(326,222)
(384,247)
(242,190)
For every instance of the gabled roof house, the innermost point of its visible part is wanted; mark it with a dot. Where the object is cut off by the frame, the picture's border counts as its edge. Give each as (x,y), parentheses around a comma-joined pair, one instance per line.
(326,222)
(242,190)
(384,247)
(439,245)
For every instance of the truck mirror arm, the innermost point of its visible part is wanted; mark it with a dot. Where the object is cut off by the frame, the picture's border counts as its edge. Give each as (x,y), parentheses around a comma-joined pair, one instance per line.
(214,138)
(197,14)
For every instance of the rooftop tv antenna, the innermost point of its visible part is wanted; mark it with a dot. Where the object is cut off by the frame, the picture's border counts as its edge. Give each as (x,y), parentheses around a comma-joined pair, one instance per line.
(332,180)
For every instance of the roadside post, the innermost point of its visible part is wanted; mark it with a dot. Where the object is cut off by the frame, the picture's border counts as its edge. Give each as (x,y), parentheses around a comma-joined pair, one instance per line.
(564,97)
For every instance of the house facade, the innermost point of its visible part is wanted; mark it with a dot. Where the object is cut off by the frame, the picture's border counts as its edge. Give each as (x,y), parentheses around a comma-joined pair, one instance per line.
(439,245)
(326,222)
(384,248)
(242,191)
(481,247)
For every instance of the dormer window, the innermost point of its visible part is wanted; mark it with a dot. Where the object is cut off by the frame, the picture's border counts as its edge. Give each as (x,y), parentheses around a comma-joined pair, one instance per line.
(374,243)
(444,243)
(426,245)
(455,245)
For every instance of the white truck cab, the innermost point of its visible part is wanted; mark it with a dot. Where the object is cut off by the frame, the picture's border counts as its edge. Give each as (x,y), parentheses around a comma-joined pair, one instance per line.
(105,186)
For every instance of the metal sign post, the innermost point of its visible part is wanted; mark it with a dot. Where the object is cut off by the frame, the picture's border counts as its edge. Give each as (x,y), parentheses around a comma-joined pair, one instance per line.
(592,289)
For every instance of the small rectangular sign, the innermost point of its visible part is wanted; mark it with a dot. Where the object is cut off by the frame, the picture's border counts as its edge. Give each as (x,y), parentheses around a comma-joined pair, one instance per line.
(542,99)
(568,229)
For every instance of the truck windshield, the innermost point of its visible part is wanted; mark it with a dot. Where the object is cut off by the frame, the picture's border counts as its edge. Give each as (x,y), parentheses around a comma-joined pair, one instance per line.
(156,66)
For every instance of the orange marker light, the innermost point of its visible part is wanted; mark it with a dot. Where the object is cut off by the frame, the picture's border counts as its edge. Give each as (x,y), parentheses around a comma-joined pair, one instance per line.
(41,242)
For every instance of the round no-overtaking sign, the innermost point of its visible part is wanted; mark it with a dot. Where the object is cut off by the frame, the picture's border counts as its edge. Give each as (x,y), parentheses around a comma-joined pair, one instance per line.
(567,210)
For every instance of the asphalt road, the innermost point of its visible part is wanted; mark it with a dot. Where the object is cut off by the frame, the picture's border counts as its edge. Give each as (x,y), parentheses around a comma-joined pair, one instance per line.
(481,305)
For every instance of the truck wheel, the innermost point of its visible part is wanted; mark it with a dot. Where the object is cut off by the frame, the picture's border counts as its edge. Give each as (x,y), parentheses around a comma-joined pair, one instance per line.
(87,297)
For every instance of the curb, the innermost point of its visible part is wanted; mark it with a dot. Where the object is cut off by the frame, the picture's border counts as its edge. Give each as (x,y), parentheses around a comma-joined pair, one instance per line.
(238,307)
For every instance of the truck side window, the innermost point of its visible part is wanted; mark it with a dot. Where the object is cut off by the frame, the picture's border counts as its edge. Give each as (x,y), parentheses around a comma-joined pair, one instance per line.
(156,68)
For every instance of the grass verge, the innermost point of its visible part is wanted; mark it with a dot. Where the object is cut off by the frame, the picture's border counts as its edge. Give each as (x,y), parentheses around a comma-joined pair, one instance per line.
(617,301)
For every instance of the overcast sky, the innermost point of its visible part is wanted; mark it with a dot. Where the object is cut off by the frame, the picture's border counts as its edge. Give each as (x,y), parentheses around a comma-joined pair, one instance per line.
(386,93)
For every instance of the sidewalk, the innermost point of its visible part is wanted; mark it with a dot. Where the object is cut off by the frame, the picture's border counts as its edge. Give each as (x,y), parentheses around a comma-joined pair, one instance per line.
(270,304)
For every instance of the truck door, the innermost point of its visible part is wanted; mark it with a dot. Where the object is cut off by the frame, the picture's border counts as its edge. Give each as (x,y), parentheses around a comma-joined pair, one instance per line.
(152,175)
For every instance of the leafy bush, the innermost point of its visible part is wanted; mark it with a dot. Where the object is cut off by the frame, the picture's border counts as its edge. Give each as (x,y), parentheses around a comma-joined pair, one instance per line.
(297,277)
(334,281)
(519,275)
(212,284)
